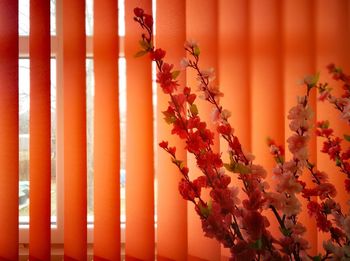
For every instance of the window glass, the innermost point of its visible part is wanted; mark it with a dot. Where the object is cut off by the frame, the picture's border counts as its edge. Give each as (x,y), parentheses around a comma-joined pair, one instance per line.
(23,193)
(90,93)
(23,17)
(24,137)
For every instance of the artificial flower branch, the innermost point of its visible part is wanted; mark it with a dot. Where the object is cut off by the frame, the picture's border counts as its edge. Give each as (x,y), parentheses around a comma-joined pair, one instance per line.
(241,226)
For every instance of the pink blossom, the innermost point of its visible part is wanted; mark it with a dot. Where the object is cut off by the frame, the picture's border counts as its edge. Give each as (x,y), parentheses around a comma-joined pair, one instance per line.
(184,63)
(288,183)
(258,171)
(189,44)
(299,116)
(346,111)
(297,146)
(291,206)
(225,114)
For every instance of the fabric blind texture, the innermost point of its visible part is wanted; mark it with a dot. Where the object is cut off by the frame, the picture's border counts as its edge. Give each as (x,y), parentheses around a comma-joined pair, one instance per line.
(260,50)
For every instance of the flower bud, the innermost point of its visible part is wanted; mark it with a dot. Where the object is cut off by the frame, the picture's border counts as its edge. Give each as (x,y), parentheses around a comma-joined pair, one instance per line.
(138,12)
(148,21)
(157,55)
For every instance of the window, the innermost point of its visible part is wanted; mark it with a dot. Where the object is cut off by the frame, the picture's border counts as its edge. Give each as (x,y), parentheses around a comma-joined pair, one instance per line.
(24,121)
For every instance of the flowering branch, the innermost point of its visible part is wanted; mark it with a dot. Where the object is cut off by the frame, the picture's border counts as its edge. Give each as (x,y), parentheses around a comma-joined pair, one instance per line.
(241,225)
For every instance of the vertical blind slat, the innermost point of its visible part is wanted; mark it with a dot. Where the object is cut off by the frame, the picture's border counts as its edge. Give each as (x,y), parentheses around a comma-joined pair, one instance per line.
(233,73)
(139,144)
(75,202)
(172,208)
(299,60)
(201,18)
(9,129)
(266,82)
(106,132)
(40,131)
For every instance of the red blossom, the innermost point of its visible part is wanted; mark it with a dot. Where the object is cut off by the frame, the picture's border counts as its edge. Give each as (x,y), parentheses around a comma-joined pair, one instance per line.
(307,193)
(157,54)
(235,145)
(200,182)
(209,159)
(255,201)
(185,171)
(165,79)
(224,129)
(332,147)
(255,224)
(138,12)
(172,151)
(195,143)
(178,129)
(322,223)
(347,185)
(313,208)
(336,234)
(345,155)
(243,251)
(187,90)
(325,190)
(193,122)
(186,189)
(148,20)
(163,144)
(191,98)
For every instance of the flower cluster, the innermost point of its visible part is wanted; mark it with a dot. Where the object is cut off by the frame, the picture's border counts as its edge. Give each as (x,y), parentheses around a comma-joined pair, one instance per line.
(241,225)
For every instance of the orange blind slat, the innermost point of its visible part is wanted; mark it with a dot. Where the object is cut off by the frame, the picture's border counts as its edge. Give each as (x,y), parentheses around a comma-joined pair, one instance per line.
(201,18)
(40,132)
(332,45)
(299,60)
(266,77)
(106,132)
(9,130)
(267,92)
(139,144)
(233,66)
(233,73)
(170,223)
(74,95)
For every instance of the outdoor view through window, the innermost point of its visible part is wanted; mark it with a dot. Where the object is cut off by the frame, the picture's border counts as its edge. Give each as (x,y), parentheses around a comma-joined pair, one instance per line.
(24,114)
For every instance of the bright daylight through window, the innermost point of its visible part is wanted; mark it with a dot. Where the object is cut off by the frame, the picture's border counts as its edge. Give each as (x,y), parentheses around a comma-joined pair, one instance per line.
(24,113)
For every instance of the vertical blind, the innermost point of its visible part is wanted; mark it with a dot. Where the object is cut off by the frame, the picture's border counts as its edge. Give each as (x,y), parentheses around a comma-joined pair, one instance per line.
(260,50)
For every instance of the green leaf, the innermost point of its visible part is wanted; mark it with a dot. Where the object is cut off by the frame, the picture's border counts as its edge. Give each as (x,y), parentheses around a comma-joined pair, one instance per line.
(325,125)
(257,244)
(177,162)
(337,162)
(315,79)
(286,232)
(317,258)
(144,44)
(241,168)
(204,211)
(170,119)
(194,109)
(312,80)
(196,51)
(347,137)
(182,165)
(228,167)
(175,74)
(140,53)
